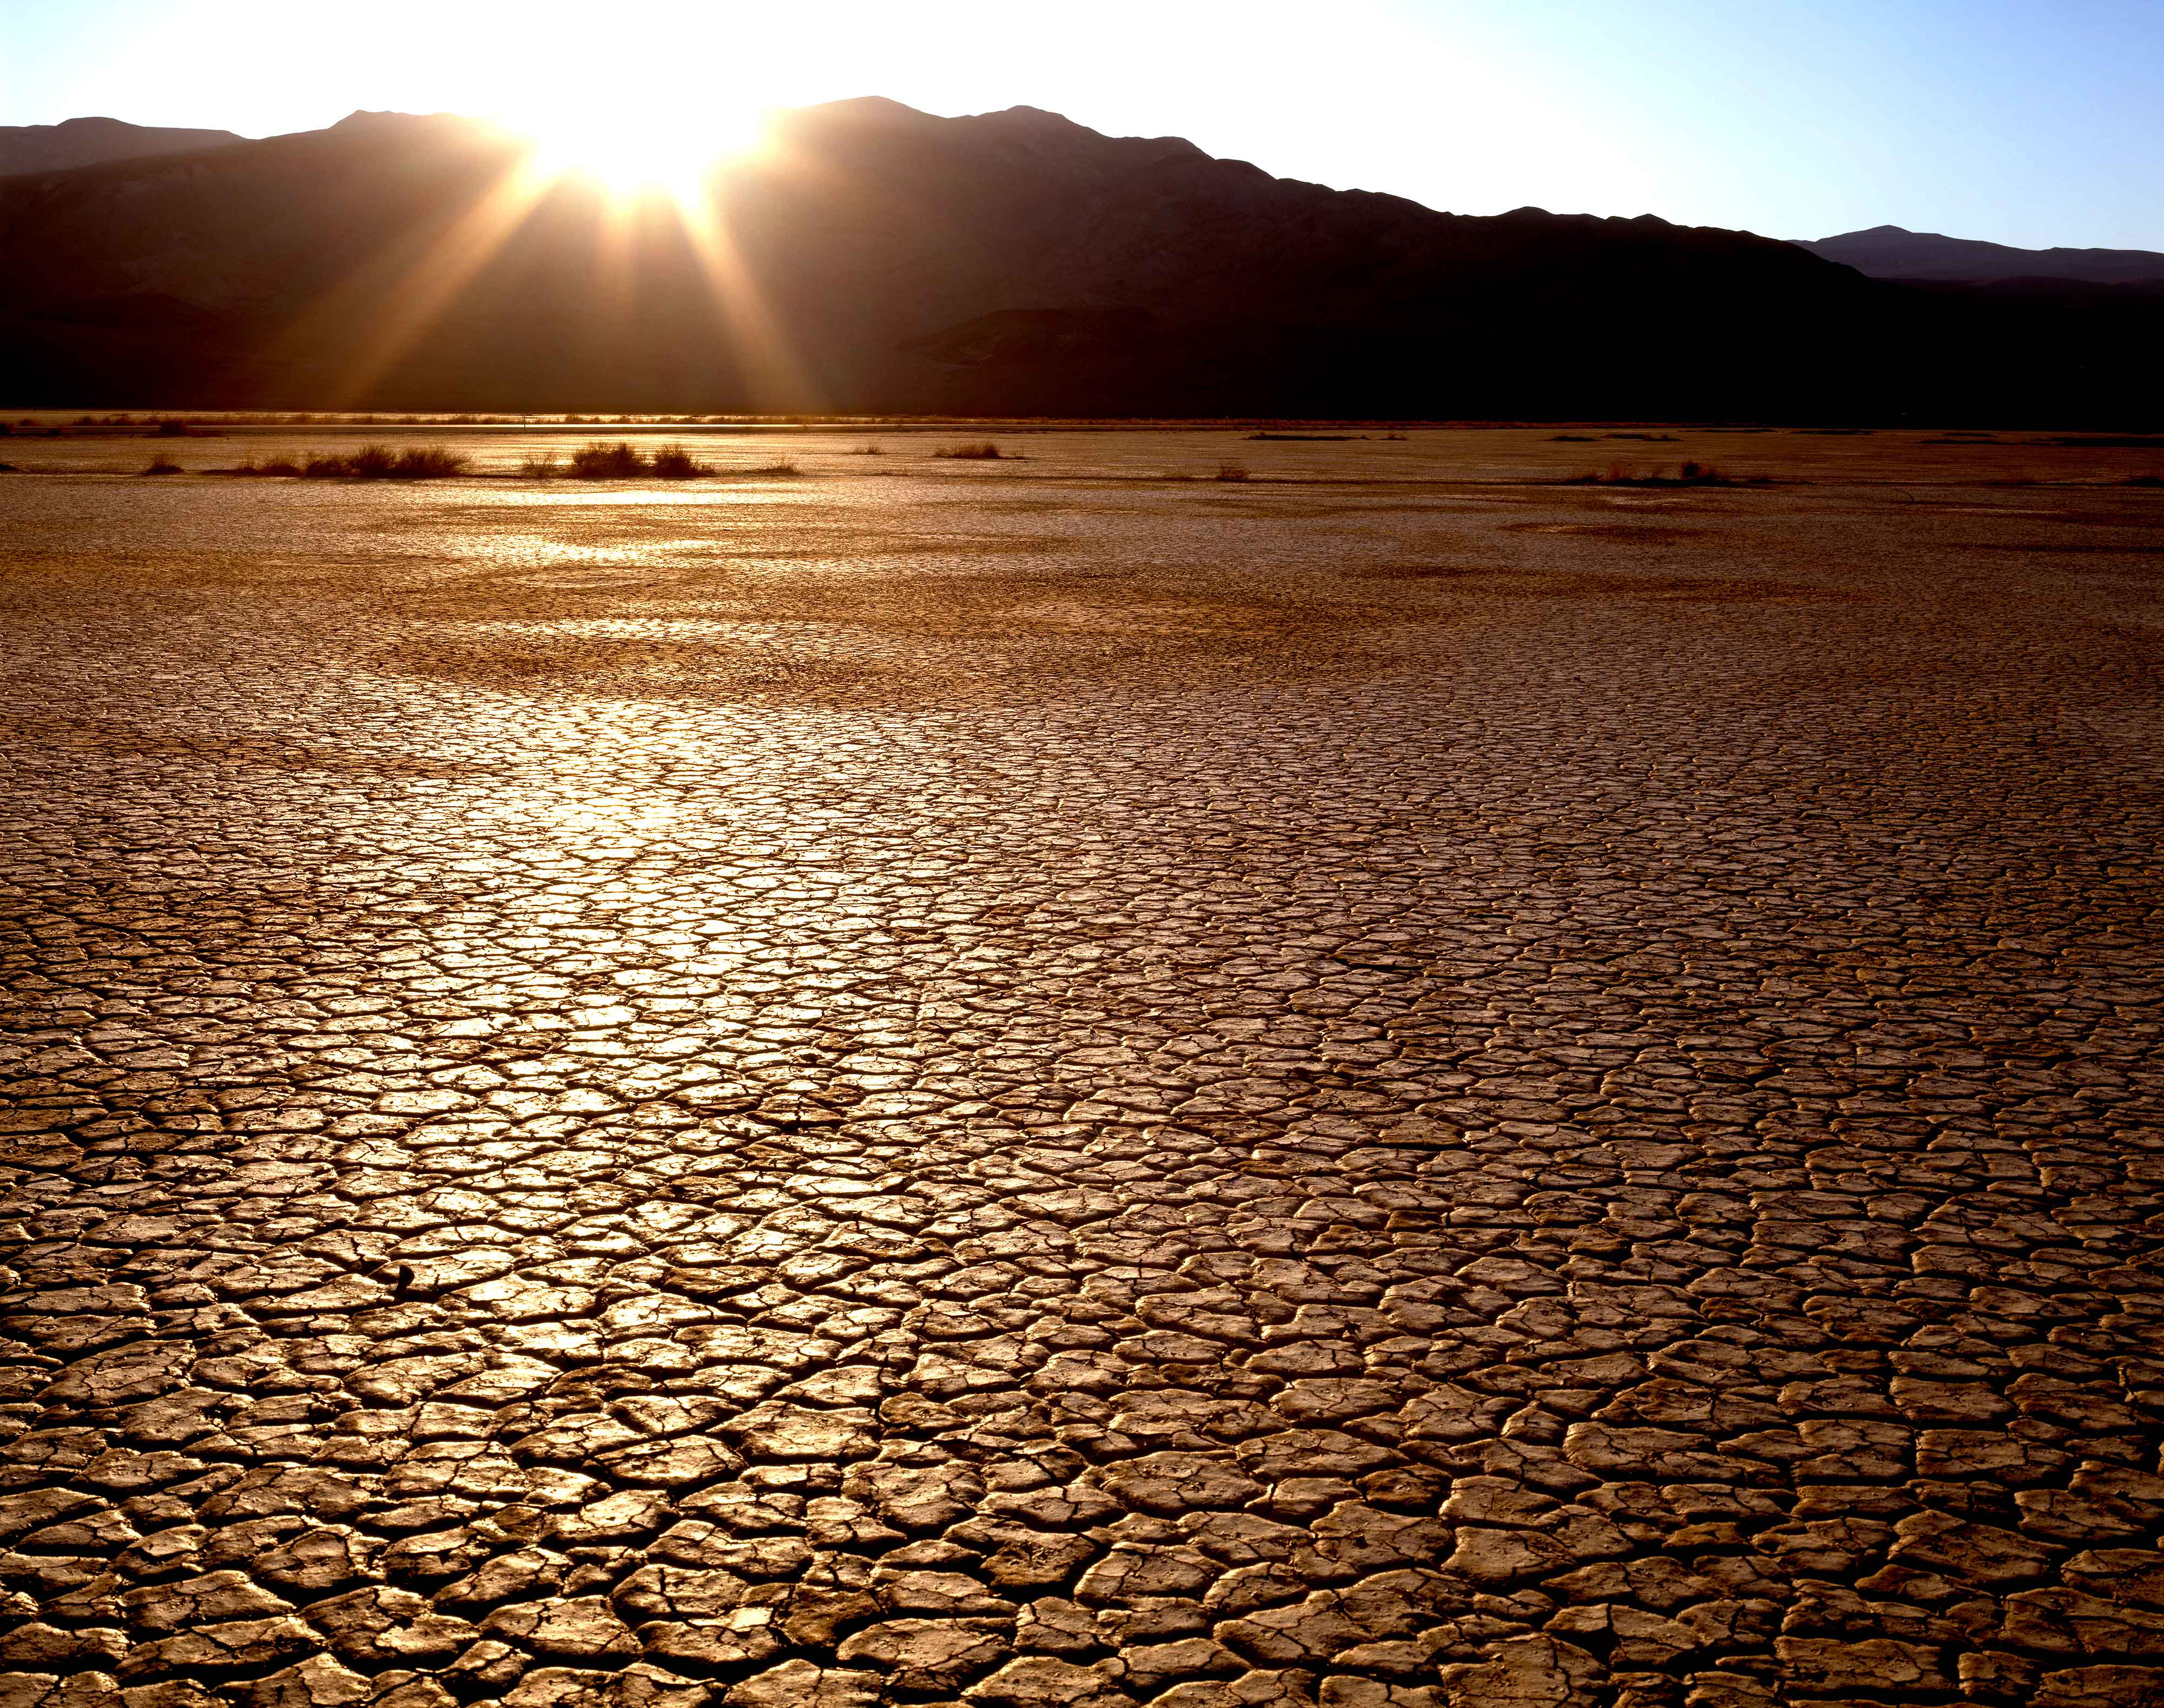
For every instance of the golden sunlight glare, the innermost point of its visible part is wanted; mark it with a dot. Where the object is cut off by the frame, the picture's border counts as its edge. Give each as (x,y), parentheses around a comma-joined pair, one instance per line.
(633,148)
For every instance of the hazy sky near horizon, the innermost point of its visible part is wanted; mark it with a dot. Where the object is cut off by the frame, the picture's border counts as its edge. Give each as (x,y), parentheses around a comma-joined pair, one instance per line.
(2029,121)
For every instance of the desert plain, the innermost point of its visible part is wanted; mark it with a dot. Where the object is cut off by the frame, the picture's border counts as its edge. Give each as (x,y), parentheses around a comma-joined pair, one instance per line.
(1387,1085)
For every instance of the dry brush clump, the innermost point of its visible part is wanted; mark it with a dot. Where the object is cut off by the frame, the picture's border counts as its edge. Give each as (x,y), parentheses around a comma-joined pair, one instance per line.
(624,461)
(981,451)
(1690,474)
(162,465)
(373,462)
(597,461)
(672,462)
(1225,472)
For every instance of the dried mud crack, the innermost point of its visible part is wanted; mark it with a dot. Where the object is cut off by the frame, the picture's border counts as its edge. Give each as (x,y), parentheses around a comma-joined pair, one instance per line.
(1159,1109)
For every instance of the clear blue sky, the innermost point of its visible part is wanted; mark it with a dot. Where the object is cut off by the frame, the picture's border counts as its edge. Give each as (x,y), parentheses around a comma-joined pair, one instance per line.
(2031,122)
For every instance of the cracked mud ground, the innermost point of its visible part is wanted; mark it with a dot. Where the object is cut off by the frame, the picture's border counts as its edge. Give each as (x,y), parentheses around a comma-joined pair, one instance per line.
(1047,1088)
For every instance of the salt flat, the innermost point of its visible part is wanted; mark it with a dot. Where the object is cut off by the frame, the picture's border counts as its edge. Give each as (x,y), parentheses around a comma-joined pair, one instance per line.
(1026,1083)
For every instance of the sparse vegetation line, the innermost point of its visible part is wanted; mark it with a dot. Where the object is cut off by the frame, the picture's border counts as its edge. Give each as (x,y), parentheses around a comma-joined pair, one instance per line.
(624,461)
(1690,474)
(371,462)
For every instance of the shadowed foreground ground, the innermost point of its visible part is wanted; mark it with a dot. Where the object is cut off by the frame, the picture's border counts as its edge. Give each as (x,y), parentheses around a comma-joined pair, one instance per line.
(1029,1085)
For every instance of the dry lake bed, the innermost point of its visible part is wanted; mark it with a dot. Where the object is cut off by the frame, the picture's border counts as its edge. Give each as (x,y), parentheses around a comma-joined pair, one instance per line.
(1027,1084)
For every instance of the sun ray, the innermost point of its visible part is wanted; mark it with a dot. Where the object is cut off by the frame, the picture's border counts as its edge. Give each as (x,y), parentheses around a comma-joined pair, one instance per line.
(630,153)
(398,298)
(772,375)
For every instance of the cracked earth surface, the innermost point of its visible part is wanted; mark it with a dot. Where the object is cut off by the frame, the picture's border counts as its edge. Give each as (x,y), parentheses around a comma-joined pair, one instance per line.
(1042,1090)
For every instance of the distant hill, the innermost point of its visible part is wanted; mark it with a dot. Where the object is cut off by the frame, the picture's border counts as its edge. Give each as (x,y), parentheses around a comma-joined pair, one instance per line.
(878,259)
(1890,252)
(89,142)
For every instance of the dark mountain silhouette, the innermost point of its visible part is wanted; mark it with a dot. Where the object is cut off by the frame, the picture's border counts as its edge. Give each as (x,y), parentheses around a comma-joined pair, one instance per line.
(878,259)
(88,142)
(1890,252)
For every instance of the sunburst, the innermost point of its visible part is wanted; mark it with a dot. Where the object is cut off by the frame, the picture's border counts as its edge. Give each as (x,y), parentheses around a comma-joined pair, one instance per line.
(634,150)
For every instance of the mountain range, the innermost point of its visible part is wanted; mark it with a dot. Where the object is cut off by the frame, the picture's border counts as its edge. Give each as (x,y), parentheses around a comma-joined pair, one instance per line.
(1890,252)
(88,142)
(874,258)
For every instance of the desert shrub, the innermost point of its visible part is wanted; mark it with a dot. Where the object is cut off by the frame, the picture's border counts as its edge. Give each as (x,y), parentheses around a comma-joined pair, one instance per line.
(1232,472)
(1575,438)
(620,461)
(868,450)
(784,466)
(979,450)
(1690,474)
(250,469)
(432,462)
(171,430)
(162,465)
(672,462)
(379,462)
(541,467)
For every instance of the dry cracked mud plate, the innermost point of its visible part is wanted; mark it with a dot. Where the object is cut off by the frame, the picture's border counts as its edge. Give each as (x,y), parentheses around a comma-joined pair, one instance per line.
(1391,1144)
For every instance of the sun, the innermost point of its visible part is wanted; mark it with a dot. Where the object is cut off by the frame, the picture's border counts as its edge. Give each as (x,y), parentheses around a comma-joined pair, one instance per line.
(631,151)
